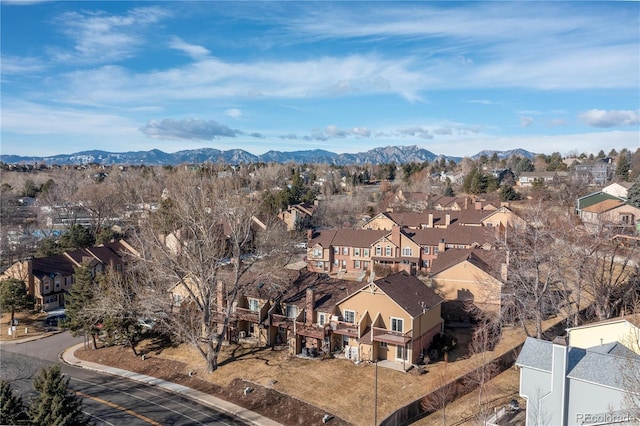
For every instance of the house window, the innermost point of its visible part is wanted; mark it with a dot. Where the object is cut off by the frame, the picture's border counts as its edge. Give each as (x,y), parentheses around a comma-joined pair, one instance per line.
(356,252)
(387,251)
(322,319)
(397,324)
(406,251)
(344,264)
(626,219)
(253,305)
(378,250)
(426,263)
(383,344)
(281,329)
(365,252)
(365,265)
(336,250)
(292,311)
(320,265)
(336,262)
(356,264)
(345,250)
(317,252)
(57,282)
(349,316)
(436,250)
(427,250)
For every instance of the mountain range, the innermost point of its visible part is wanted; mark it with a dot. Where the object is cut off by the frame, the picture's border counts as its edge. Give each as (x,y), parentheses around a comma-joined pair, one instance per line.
(382,155)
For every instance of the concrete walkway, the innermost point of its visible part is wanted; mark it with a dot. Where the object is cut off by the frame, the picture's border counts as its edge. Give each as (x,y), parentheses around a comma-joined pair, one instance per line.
(68,356)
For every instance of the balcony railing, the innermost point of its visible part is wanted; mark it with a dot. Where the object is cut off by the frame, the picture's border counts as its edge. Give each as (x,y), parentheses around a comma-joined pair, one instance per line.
(310,330)
(345,328)
(245,314)
(390,336)
(281,321)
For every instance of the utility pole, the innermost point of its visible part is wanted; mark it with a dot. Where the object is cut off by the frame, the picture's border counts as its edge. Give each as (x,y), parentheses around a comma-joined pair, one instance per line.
(375,398)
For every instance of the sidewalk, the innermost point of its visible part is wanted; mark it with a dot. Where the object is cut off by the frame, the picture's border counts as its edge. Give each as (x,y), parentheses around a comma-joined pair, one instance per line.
(68,356)
(30,338)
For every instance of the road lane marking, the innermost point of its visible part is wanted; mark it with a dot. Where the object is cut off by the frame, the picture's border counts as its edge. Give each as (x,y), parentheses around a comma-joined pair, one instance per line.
(99,418)
(119,407)
(123,380)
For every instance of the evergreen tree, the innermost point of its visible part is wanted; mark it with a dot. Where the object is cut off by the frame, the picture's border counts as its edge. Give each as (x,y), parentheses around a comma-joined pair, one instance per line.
(55,404)
(633,195)
(448,191)
(11,407)
(14,296)
(623,167)
(80,297)
(76,237)
(507,193)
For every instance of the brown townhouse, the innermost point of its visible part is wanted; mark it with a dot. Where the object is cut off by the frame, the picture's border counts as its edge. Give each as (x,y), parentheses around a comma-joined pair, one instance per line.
(49,279)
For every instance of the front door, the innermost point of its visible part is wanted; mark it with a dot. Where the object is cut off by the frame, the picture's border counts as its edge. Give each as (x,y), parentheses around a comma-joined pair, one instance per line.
(401,353)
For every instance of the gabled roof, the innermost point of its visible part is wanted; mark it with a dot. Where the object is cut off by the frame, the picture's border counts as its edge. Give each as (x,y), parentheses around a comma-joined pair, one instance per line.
(409,293)
(486,260)
(603,206)
(463,235)
(597,365)
(323,238)
(52,265)
(327,291)
(594,198)
(357,237)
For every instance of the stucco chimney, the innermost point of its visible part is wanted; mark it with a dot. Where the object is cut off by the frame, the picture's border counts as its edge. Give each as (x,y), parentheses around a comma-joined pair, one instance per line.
(478,205)
(309,305)
(395,235)
(447,219)
(503,272)
(441,246)
(220,290)
(558,395)
(430,220)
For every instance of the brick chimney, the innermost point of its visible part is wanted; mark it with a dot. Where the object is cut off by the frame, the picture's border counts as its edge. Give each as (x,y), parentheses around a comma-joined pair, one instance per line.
(430,225)
(309,306)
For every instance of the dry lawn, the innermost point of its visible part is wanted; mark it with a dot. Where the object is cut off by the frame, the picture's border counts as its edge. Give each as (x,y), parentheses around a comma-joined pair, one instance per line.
(337,385)
(26,322)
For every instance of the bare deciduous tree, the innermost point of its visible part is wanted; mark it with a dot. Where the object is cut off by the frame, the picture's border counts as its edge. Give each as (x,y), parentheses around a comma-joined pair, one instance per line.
(446,392)
(215,239)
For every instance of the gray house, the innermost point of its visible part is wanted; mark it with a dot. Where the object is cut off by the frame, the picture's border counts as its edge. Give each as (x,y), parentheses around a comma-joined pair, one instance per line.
(573,386)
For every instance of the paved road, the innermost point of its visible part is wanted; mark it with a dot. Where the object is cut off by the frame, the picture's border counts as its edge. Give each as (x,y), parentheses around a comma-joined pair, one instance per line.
(108,399)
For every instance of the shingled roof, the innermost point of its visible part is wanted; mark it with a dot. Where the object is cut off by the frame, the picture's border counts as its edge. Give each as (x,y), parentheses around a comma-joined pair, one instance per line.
(409,293)
(487,260)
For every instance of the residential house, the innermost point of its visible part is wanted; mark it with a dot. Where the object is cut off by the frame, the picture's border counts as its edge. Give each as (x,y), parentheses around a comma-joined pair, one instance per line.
(597,172)
(526,179)
(393,319)
(49,279)
(593,198)
(613,213)
(568,385)
(622,329)
(618,189)
(471,275)
(298,216)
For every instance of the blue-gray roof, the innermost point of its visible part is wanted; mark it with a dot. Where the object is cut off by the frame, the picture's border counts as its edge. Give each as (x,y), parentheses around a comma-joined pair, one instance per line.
(602,364)
(535,354)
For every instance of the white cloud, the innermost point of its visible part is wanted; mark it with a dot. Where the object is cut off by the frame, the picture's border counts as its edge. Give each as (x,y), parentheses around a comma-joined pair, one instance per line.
(21,65)
(234,113)
(525,121)
(416,131)
(557,122)
(99,37)
(613,118)
(192,50)
(188,129)
(481,101)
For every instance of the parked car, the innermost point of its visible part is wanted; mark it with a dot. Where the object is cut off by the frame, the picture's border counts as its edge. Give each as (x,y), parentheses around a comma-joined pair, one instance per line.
(55,320)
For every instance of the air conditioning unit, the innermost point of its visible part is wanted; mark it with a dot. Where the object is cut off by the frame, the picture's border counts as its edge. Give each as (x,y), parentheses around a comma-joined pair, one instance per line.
(242,334)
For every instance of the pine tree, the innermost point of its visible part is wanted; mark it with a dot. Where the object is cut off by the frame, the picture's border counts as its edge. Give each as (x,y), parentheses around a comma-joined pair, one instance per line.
(79,298)
(11,407)
(623,167)
(55,404)
(14,296)
(633,195)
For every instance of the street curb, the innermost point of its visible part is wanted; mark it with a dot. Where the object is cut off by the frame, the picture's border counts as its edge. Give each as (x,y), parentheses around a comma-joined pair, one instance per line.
(68,357)
(30,339)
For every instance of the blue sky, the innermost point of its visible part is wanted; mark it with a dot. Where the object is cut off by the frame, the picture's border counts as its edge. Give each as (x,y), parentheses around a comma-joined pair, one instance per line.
(453,78)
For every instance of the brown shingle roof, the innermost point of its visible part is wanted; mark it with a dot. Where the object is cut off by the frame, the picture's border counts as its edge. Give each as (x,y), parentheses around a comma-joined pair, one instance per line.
(328,291)
(409,293)
(487,260)
(455,234)
(603,206)
(51,265)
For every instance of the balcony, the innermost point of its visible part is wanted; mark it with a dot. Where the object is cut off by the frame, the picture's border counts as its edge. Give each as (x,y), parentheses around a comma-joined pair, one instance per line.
(310,330)
(281,321)
(389,336)
(345,328)
(244,314)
